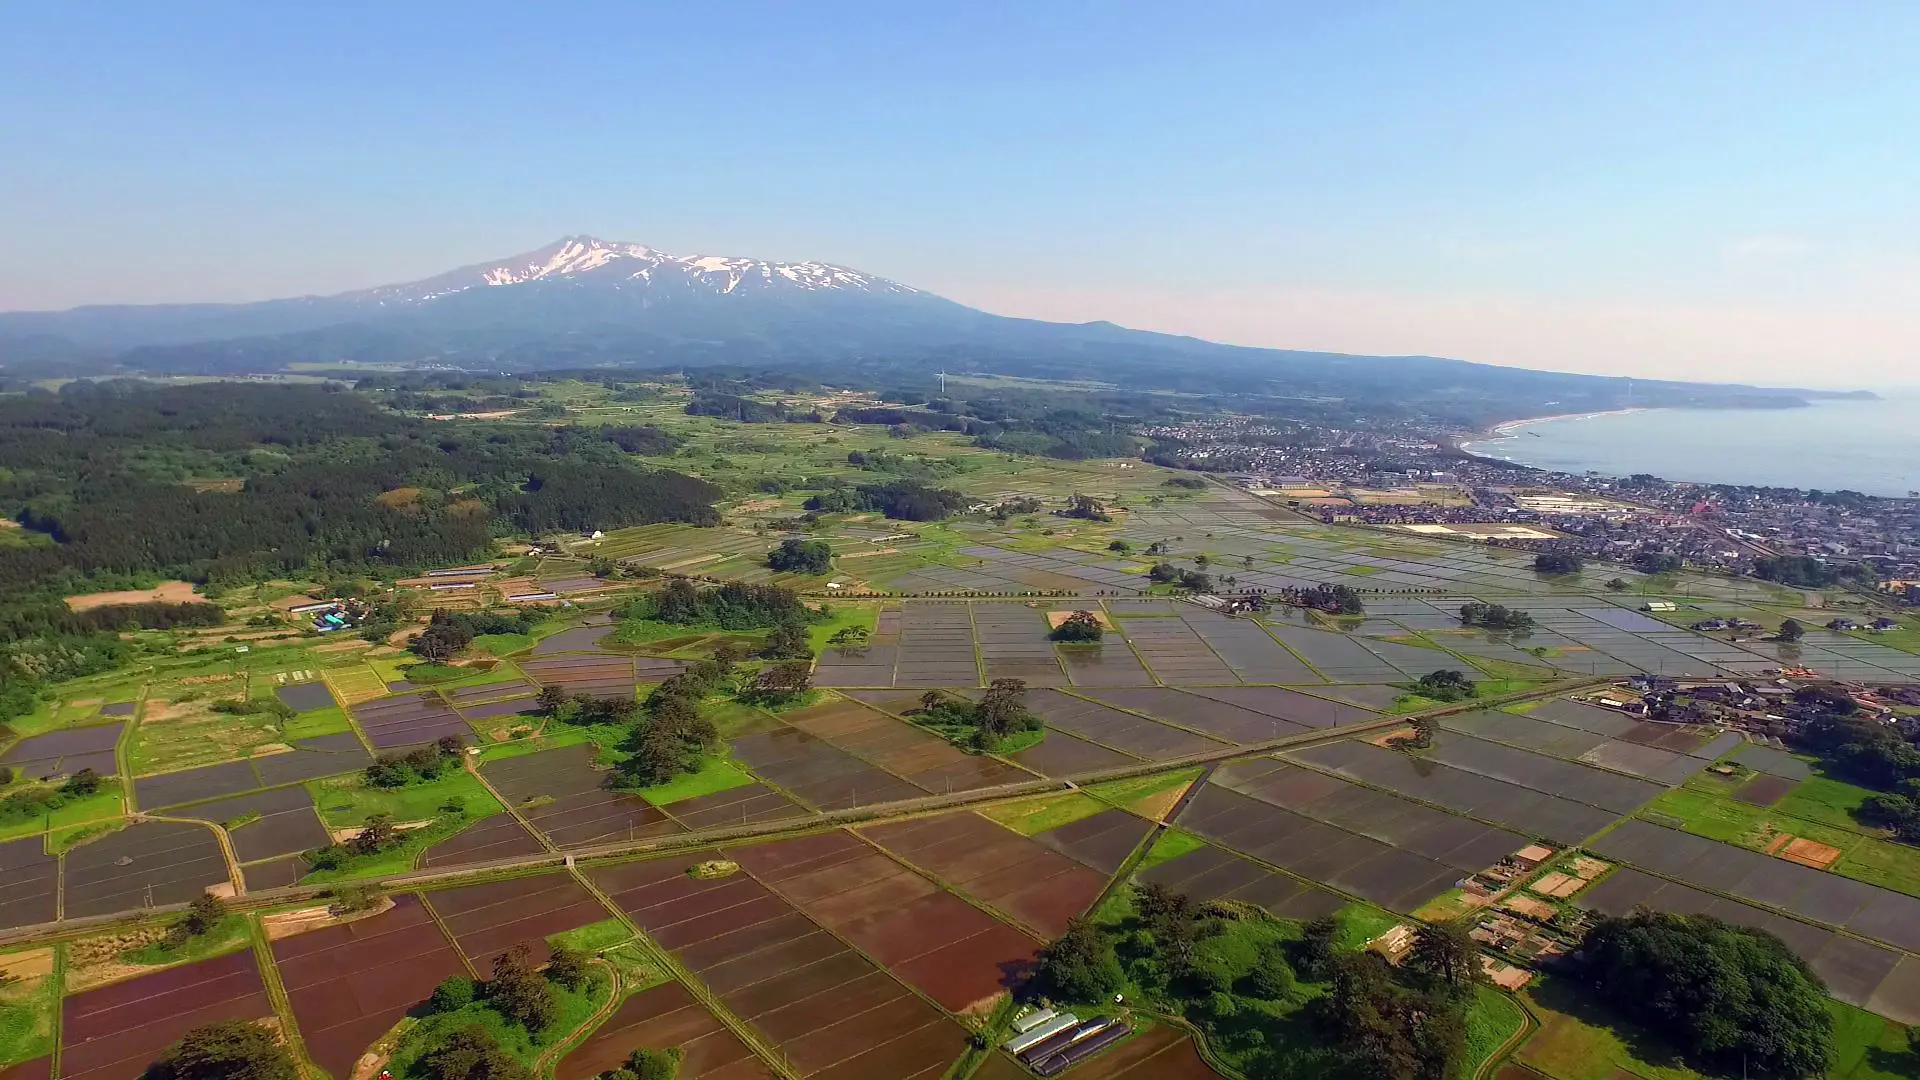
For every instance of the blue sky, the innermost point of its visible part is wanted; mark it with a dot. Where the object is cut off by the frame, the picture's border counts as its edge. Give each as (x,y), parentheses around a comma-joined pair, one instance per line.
(1713,189)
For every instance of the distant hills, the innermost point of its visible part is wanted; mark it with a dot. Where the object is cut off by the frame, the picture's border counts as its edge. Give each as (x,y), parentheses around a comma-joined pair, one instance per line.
(582,302)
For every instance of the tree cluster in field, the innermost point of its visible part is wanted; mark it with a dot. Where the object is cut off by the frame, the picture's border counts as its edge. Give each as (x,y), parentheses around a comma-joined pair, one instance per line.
(667,733)
(1805,571)
(905,500)
(448,632)
(910,466)
(1224,967)
(643,439)
(1165,573)
(732,606)
(1495,617)
(1421,737)
(1556,562)
(1085,508)
(421,765)
(227,1050)
(147,615)
(796,556)
(1332,599)
(520,994)
(743,410)
(1653,561)
(1189,483)
(999,714)
(273,707)
(1730,997)
(647,1064)
(1017,506)
(202,918)
(1791,630)
(1446,685)
(1864,752)
(1081,627)
(27,804)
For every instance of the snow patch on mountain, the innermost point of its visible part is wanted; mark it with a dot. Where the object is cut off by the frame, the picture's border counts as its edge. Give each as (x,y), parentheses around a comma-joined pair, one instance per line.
(587,260)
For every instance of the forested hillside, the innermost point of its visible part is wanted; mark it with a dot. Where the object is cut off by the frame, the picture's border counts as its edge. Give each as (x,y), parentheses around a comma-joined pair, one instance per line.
(121,483)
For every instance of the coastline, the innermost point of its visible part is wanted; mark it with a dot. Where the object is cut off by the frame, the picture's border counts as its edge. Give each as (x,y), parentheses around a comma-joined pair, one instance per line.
(1510,429)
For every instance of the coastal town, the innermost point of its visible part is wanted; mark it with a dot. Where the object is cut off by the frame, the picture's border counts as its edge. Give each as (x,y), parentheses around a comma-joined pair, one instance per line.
(1416,477)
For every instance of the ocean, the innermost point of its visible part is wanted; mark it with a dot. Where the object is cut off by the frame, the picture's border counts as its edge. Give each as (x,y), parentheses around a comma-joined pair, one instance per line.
(1866,446)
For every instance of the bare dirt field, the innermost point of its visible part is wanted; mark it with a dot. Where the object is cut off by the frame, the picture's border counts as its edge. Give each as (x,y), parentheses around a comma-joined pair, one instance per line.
(167,592)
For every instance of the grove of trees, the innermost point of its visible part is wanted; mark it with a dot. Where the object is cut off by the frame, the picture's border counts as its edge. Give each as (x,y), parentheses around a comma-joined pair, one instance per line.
(1729,996)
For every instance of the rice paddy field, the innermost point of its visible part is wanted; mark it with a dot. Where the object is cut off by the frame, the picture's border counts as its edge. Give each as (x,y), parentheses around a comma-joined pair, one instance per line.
(1234,759)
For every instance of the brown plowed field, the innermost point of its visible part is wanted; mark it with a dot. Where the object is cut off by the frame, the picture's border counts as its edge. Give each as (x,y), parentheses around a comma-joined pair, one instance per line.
(952,951)
(157,862)
(1123,731)
(996,866)
(488,919)
(498,837)
(664,1016)
(349,983)
(818,772)
(29,883)
(115,1032)
(924,758)
(580,811)
(1102,841)
(1159,1053)
(767,961)
(37,1069)
(734,806)
(1061,754)
(1217,718)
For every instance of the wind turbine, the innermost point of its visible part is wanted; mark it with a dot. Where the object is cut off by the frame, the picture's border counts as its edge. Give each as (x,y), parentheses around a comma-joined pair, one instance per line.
(943,384)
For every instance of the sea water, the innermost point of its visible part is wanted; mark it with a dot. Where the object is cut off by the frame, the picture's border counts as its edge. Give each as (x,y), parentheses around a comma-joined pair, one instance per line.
(1866,446)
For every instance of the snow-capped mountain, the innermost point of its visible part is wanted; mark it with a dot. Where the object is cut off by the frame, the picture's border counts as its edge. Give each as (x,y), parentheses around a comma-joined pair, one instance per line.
(581,302)
(590,260)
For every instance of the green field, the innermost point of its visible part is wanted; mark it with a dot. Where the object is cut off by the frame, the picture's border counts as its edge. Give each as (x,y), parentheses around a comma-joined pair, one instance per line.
(595,938)
(716,774)
(231,934)
(27,1012)
(1864,858)
(312,725)
(1581,1039)
(1030,816)
(103,805)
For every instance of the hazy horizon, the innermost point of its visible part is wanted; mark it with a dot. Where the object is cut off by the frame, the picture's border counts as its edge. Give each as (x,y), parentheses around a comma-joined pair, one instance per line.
(1719,193)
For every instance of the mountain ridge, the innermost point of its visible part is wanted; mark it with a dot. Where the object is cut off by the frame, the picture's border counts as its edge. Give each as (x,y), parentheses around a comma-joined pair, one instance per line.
(584,302)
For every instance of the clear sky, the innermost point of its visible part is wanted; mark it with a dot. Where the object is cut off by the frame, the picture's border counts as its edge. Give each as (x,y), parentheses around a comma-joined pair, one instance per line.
(1707,189)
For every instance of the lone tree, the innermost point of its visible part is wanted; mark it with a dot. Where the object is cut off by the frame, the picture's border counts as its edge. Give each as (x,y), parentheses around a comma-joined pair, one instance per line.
(1081,626)
(1791,630)
(850,638)
(229,1050)
(795,556)
(202,916)
(378,835)
(1003,712)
